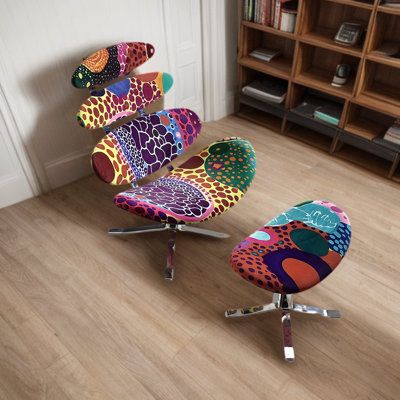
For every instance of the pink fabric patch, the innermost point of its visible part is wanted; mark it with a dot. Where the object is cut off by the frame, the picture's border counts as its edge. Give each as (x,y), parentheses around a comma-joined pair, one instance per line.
(334,208)
(122,51)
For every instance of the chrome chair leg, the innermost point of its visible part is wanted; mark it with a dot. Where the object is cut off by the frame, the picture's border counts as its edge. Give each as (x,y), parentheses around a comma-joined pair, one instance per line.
(138,229)
(284,303)
(172,228)
(201,231)
(288,350)
(169,269)
(302,308)
(165,227)
(241,312)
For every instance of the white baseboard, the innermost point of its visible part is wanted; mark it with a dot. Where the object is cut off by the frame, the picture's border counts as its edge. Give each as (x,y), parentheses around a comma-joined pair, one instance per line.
(69,168)
(13,190)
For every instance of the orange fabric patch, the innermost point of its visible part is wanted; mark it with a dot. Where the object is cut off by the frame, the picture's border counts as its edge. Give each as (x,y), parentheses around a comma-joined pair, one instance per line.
(150,76)
(164,120)
(332,259)
(97,61)
(303,274)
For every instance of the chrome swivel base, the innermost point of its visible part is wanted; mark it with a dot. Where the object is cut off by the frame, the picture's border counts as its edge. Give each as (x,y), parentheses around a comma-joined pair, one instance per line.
(283,303)
(172,228)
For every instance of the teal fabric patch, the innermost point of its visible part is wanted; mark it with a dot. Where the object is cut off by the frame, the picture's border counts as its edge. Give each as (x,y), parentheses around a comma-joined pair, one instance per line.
(311,214)
(310,242)
(167,82)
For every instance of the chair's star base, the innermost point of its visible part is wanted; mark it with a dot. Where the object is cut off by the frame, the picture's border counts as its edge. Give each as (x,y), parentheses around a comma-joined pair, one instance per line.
(172,229)
(283,303)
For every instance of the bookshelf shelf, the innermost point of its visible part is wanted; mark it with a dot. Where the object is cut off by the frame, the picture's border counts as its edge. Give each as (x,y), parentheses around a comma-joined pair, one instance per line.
(272,108)
(320,79)
(324,39)
(381,59)
(265,119)
(377,105)
(279,67)
(268,29)
(384,94)
(354,3)
(389,10)
(382,84)
(311,138)
(370,99)
(364,159)
(365,128)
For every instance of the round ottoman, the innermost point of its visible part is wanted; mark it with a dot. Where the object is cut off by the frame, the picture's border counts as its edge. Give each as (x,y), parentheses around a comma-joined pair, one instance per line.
(291,253)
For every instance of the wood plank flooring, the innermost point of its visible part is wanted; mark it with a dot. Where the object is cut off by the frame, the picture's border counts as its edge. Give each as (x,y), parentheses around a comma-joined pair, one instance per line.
(87,316)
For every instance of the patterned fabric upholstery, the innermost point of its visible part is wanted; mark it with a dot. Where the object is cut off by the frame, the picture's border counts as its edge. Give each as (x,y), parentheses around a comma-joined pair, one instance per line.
(107,64)
(295,250)
(144,145)
(206,185)
(122,99)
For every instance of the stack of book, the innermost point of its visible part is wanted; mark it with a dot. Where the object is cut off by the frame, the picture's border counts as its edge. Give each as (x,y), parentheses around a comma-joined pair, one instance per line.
(320,109)
(269,89)
(329,113)
(391,3)
(280,14)
(393,133)
(264,54)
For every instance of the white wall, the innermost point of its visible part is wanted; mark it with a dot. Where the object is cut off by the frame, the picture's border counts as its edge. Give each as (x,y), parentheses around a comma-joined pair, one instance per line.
(220,33)
(42,42)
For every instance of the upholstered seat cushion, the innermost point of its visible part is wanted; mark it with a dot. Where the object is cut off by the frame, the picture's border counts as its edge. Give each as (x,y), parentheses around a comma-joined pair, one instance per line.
(295,250)
(204,186)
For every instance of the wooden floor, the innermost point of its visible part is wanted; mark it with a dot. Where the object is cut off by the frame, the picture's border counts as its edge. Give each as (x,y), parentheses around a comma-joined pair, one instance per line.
(87,316)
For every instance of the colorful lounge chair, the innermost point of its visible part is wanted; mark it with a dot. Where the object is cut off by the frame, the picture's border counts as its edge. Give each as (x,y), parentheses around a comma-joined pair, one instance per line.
(203,187)
(290,254)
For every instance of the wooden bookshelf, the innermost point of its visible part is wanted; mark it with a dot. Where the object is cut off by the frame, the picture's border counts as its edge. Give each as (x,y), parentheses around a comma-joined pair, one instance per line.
(370,99)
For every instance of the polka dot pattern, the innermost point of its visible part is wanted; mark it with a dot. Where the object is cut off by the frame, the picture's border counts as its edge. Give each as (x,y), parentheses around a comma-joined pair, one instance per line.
(225,164)
(193,172)
(339,240)
(111,62)
(167,200)
(121,99)
(144,145)
(294,254)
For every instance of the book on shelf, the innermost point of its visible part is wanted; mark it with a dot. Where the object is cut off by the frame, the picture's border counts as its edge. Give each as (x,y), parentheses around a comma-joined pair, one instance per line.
(248,10)
(264,54)
(288,17)
(268,89)
(280,14)
(393,133)
(308,106)
(329,113)
(320,109)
